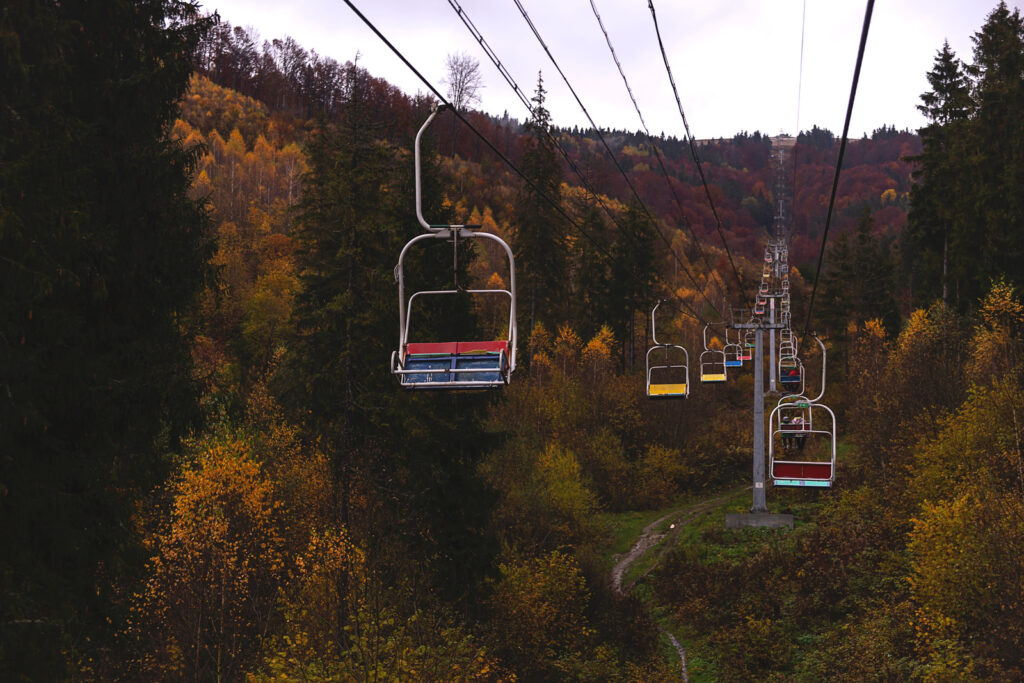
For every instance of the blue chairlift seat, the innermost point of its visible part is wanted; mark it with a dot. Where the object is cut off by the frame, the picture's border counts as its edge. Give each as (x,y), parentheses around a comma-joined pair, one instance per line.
(455,365)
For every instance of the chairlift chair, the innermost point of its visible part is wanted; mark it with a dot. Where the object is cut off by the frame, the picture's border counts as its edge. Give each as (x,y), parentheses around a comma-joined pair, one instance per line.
(791,374)
(749,343)
(712,363)
(462,364)
(733,352)
(798,419)
(670,378)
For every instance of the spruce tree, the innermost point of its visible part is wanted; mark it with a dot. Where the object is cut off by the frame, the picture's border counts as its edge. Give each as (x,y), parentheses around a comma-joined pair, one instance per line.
(632,275)
(591,307)
(934,223)
(539,239)
(103,255)
(967,211)
(858,281)
(403,463)
(995,202)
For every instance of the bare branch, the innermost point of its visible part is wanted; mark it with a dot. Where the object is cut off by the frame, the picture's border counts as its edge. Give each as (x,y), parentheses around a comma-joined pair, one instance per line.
(463,80)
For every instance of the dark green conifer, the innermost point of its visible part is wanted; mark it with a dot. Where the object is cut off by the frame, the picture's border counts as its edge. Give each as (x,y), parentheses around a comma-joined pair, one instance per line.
(102,257)
(539,241)
(632,275)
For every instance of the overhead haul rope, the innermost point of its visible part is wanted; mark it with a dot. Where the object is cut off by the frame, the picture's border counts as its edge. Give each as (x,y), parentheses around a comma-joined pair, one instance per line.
(693,151)
(493,56)
(800,73)
(650,141)
(611,154)
(505,159)
(839,161)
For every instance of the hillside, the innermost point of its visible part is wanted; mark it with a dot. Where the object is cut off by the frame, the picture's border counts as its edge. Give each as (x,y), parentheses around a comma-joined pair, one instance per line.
(212,472)
(876,171)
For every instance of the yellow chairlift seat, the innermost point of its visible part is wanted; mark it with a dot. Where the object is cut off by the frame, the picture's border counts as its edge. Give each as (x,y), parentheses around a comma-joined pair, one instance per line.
(666,390)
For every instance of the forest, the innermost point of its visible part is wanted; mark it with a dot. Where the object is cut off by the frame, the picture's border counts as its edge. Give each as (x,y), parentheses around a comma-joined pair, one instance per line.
(210,472)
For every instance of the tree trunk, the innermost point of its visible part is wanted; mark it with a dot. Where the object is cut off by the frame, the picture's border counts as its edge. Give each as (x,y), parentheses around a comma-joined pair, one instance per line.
(945,258)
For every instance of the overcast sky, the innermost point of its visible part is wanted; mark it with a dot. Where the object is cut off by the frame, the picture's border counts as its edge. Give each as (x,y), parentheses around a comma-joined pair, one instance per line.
(736,62)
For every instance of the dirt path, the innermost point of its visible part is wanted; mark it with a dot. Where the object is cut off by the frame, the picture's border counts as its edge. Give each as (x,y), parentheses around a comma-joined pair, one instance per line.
(650,538)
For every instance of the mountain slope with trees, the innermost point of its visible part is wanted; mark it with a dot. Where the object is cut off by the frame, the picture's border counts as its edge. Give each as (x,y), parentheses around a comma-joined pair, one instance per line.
(210,472)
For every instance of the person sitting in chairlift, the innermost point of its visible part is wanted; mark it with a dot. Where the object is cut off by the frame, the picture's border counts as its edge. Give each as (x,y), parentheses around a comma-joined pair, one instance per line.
(799,423)
(787,437)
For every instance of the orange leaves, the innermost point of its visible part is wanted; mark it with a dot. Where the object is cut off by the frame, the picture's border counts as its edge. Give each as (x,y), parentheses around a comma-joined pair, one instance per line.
(251,192)
(215,577)
(210,107)
(597,354)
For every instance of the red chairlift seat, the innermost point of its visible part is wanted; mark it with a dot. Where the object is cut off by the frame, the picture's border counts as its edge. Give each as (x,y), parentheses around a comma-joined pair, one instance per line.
(786,469)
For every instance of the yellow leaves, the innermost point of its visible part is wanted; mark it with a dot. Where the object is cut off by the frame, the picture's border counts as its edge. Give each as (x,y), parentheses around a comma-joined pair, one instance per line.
(889,196)
(201,186)
(495,281)
(211,107)
(567,348)
(540,341)
(597,354)
(567,339)
(965,548)
(180,130)
(874,329)
(559,477)
(1001,308)
(215,576)
(235,148)
(539,608)
(662,474)
(918,326)
(996,345)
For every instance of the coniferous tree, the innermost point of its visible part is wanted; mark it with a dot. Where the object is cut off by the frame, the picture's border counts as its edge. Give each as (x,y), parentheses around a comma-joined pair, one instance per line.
(632,275)
(539,239)
(591,300)
(356,215)
(995,203)
(858,281)
(103,256)
(967,215)
(933,223)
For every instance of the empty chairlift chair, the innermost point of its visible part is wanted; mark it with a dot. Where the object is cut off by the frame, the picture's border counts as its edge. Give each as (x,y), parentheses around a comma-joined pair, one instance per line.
(733,352)
(461,364)
(749,342)
(712,363)
(668,372)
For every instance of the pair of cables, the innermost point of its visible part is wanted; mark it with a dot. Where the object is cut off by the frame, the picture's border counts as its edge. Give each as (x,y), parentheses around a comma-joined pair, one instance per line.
(554,203)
